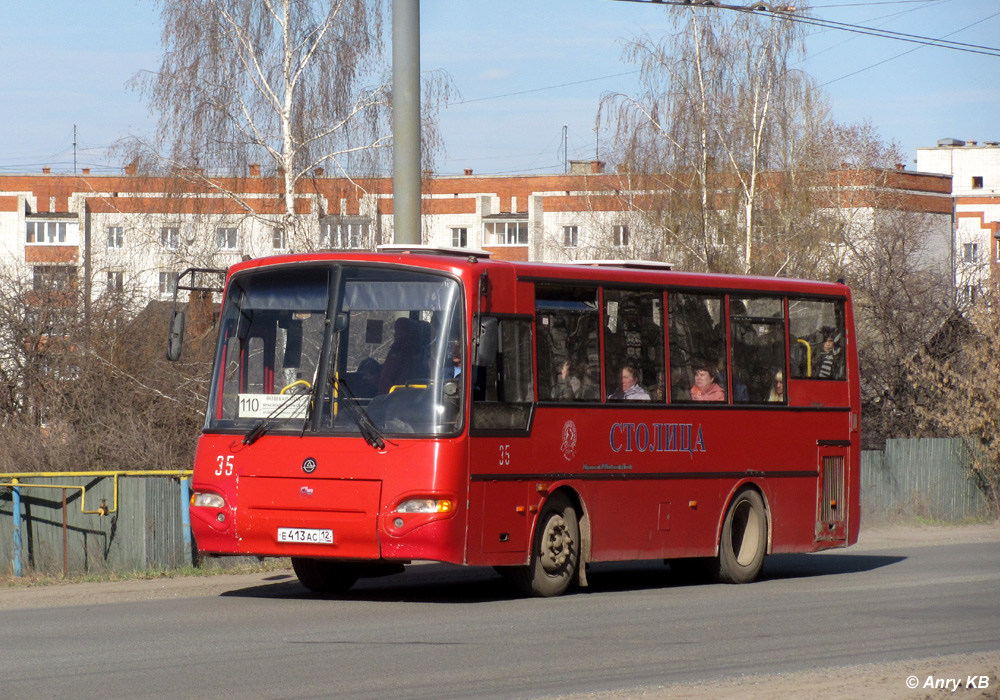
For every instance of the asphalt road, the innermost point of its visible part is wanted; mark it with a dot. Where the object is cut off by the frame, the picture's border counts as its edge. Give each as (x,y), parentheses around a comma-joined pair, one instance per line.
(448,632)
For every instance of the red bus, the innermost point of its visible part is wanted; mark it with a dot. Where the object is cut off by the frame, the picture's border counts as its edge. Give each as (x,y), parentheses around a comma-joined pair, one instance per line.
(368,410)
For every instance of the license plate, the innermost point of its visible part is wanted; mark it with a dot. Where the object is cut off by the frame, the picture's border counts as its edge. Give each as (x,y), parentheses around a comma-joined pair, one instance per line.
(302,535)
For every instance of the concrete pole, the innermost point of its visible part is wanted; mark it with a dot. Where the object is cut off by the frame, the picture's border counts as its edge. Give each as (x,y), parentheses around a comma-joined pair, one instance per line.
(406,121)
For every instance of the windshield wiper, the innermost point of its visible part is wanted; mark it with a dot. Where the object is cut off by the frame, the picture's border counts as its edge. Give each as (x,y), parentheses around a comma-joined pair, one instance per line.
(265,424)
(369,431)
(330,328)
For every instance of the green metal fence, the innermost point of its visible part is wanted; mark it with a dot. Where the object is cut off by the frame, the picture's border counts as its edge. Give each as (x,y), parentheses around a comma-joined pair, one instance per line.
(92,522)
(75,522)
(920,478)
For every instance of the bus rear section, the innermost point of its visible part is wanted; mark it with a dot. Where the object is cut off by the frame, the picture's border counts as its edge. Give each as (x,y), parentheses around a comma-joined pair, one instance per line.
(705,420)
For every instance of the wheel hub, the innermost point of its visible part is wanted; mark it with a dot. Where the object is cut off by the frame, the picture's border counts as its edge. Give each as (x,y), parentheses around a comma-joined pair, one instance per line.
(557,545)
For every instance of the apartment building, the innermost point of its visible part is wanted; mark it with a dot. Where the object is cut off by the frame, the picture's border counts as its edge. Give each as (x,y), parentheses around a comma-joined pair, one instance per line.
(974,169)
(103,232)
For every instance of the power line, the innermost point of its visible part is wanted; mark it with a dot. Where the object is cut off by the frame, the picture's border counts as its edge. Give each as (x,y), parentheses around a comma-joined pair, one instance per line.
(787,12)
(899,36)
(892,58)
(872,4)
(541,89)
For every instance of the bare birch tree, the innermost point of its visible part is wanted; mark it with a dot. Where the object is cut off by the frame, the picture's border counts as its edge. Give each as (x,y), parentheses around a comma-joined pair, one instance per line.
(294,85)
(711,100)
(901,299)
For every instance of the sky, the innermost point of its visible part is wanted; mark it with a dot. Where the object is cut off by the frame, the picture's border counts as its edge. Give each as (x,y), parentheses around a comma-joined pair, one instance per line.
(523,69)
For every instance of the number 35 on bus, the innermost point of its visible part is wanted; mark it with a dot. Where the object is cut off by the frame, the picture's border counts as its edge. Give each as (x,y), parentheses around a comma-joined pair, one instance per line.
(368,410)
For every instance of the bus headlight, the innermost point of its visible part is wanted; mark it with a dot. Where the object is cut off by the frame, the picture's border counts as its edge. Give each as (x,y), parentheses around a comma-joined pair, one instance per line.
(208,500)
(426,505)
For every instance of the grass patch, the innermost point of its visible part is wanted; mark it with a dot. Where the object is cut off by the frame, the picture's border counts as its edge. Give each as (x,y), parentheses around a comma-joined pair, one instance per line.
(245,565)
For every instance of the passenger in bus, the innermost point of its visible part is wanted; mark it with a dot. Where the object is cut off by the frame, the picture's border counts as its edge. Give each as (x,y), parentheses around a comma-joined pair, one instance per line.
(567,383)
(706,387)
(453,366)
(659,391)
(828,360)
(777,388)
(366,382)
(402,363)
(629,389)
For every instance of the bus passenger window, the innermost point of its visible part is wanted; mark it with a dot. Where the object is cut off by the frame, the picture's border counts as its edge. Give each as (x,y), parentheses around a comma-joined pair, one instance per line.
(757,346)
(633,343)
(697,341)
(503,384)
(817,339)
(567,323)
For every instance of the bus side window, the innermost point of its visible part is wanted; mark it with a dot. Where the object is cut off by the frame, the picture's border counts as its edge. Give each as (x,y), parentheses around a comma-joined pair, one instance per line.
(633,337)
(503,387)
(816,330)
(697,339)
(757,346)
(567,323)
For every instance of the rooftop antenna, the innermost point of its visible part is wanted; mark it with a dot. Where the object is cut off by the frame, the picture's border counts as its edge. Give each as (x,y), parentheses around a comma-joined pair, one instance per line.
(565,148)
(74,149)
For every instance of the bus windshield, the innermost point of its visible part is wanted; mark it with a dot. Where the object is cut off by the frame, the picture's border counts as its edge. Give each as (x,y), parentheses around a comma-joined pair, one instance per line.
(339,349)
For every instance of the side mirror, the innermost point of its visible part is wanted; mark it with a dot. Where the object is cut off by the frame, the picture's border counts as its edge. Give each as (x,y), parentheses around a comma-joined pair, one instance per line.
(175,336)
(485,348)
(340,322)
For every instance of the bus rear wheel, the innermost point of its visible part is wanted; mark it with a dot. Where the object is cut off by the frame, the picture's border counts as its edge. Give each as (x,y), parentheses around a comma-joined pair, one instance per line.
(555,553)
(744,539)
(323,576)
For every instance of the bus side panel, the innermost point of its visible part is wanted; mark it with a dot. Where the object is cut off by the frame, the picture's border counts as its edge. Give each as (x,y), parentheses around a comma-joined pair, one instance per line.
(502,504)
(656,482)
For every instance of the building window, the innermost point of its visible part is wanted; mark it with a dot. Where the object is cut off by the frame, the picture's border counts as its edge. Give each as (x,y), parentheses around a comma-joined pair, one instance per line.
(344,234)
(226,238)
(571,236)
(970,251)
(168,282)
(116,236)
(278,239)
(977,182)
(460,237)
(53,278)
(116,281)
(505,233)
(970,293)
(170,237)
(46,232)
(619,235)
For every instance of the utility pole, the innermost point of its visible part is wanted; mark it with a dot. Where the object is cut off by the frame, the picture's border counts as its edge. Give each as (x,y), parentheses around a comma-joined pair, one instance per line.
(406,121)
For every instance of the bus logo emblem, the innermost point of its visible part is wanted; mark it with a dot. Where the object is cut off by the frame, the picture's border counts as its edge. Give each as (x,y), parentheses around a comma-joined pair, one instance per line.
(569,437)
(309,465)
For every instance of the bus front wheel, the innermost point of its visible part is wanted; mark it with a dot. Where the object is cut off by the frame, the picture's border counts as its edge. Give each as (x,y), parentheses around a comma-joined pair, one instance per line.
(555,553)
(744,539)
(322,576)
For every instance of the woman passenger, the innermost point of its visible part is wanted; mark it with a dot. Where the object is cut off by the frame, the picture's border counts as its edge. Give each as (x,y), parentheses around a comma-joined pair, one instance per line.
(706,388)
